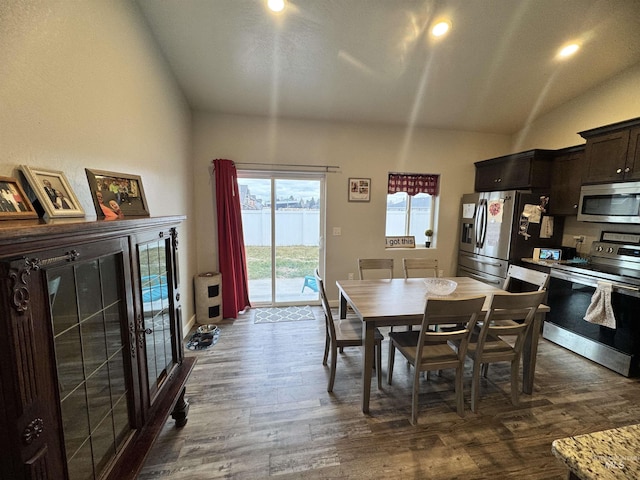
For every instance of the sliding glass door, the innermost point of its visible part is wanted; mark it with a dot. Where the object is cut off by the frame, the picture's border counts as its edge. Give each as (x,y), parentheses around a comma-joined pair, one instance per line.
(282,221)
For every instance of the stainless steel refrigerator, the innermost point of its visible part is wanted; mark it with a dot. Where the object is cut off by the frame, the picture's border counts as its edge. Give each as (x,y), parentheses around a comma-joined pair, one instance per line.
(500,228)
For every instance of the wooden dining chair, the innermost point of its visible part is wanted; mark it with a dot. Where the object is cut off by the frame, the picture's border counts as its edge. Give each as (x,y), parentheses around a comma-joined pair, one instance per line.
(501,337)
(376,267)
(520,279)
(342,333)
(420,267)
(428,350)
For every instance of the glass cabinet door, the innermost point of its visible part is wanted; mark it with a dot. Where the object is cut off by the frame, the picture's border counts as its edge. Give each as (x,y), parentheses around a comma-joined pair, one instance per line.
(155,294)
(89,319)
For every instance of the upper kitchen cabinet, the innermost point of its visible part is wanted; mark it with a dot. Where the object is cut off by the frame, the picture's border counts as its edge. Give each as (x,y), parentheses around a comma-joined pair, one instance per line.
(530,169)
(566,179)
(612,153)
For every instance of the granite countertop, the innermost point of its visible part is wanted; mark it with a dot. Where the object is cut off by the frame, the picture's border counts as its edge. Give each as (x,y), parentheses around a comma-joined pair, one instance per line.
(609,454)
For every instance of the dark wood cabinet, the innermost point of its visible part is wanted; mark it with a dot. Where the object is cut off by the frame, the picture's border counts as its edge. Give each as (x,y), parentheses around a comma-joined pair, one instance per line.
(530,169)
(612,153)
(566,180)
(91,355)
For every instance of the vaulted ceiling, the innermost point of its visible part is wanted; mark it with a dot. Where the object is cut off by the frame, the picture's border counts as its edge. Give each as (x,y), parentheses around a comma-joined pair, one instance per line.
(375,60)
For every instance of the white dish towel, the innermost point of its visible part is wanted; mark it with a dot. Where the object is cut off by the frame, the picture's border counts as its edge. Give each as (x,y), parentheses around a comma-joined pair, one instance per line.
(600,311)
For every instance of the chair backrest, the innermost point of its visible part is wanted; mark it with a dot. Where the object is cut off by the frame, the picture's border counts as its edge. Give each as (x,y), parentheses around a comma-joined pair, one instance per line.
(382,266)
(510,314)
(458,315)
(420,267)
(328,317)
(536,279)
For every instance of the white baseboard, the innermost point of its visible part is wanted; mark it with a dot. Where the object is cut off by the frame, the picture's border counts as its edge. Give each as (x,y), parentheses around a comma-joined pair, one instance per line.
(187,328)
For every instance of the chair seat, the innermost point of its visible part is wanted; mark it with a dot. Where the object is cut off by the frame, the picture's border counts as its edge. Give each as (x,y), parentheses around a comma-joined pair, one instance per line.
(439,355)
(350,330)
(493,348)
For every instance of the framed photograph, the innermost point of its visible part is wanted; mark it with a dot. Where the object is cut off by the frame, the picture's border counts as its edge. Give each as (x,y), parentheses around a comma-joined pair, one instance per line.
(53,191)
(117,195)
(359,189)
(14,203)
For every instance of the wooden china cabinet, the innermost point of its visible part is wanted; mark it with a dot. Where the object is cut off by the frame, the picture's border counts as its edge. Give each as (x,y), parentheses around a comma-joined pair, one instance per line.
(91,353)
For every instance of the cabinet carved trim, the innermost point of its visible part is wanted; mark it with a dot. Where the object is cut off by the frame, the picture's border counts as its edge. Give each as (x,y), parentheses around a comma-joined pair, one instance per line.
(20,287)
(19,277)
(132,340)
(32,431)
(22,338)
(142,331)
(174,238)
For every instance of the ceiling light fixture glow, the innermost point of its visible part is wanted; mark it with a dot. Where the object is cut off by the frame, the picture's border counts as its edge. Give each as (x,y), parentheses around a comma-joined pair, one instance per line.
(568,50)
(276,5)
(441,28)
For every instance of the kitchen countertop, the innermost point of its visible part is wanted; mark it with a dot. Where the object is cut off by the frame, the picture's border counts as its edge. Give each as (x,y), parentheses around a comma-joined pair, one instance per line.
(544,263)
(608,454)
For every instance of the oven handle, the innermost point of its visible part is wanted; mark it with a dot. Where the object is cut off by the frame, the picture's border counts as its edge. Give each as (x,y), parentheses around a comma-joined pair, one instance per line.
(626,287)
(593,282)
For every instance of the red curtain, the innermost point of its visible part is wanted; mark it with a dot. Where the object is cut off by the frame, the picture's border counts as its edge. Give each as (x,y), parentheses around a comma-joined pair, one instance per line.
(413,183)
(231,253)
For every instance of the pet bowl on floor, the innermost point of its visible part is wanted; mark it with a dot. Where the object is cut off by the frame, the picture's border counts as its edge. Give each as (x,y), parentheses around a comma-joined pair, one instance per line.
(205,336)
(207,329)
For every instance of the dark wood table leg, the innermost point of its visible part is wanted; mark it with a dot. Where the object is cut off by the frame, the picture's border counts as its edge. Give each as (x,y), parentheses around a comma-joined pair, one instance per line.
(181,410)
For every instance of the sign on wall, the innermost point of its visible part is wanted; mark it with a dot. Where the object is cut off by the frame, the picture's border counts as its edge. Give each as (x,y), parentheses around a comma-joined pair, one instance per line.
(400,242)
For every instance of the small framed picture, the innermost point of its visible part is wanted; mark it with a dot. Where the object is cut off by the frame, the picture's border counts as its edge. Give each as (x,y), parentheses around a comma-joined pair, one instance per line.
(53,191)
(14,204)
(359,189)
(117,195)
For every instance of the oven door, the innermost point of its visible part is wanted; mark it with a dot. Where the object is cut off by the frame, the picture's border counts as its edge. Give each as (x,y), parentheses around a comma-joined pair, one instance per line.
(569,297)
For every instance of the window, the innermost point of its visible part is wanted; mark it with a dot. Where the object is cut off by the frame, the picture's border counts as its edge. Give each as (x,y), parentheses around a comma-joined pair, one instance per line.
(411,204)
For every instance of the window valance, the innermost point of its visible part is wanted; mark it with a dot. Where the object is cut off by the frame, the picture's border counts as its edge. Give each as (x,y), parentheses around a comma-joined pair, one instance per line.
(413,183)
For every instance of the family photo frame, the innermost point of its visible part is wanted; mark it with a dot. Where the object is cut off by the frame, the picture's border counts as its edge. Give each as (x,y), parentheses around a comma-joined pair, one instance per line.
(53,192)
(359,189)
(117,195)
(14,204)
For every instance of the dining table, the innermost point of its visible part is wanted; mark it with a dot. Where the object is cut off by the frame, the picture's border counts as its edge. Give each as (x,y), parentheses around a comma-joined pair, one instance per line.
(400,301)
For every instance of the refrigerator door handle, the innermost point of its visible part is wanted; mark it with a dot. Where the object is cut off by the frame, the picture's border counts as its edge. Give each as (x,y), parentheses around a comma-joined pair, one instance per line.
(481,224)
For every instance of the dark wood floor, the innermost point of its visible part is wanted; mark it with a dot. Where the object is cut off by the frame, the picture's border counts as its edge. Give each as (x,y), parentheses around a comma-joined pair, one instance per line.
(259,408)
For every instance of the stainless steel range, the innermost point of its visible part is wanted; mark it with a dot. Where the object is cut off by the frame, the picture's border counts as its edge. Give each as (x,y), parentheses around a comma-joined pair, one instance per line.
(614,259)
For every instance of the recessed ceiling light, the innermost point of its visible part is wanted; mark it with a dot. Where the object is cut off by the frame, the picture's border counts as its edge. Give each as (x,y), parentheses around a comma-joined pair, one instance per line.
(568,50)
(441,28)
(276,5)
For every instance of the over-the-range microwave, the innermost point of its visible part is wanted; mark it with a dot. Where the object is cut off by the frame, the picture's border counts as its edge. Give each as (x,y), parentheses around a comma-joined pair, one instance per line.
(610,203)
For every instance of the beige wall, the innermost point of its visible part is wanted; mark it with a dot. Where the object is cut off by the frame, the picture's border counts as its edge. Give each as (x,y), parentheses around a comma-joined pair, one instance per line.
(611,102)
(370,151)
(82,85)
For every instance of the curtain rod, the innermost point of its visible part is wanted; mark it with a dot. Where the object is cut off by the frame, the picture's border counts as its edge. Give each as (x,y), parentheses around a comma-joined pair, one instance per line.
(267,166)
